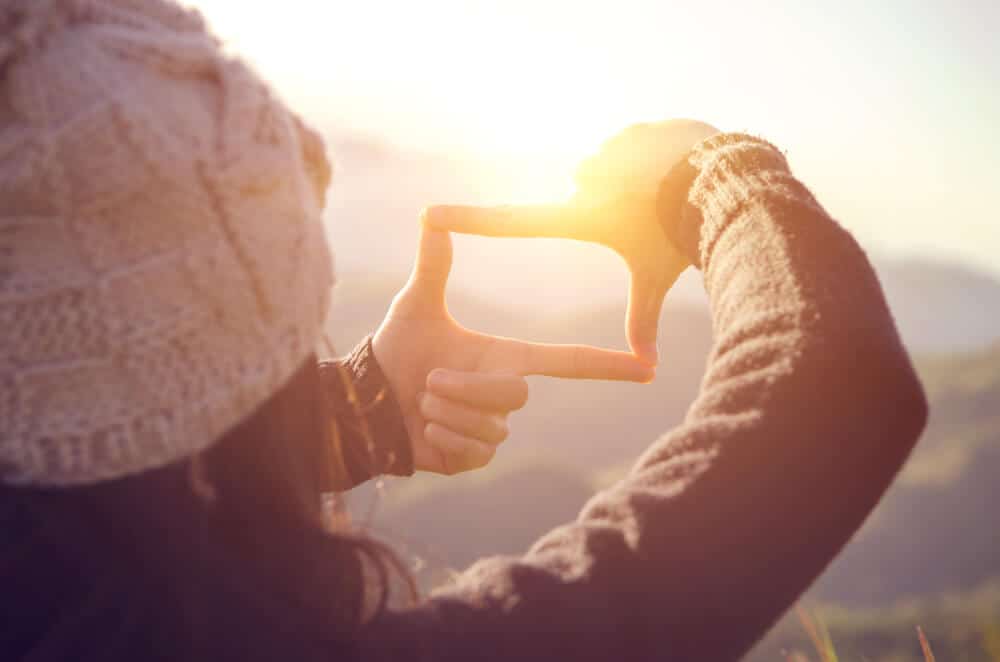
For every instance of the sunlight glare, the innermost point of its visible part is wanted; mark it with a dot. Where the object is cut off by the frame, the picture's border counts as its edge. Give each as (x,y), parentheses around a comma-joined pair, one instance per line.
(511,81)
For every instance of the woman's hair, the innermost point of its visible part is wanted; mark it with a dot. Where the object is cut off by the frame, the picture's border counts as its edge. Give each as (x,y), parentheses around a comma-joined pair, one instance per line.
(223,556)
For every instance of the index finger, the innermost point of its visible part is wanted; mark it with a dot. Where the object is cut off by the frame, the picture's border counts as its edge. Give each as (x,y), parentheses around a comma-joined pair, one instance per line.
(575,362)
(530,221)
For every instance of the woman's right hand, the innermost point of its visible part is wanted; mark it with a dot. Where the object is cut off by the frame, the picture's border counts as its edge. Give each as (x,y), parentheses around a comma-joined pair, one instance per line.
(615,206)
(456,387)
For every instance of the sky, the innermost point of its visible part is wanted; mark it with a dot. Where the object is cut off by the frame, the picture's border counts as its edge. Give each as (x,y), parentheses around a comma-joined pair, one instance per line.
(889,111)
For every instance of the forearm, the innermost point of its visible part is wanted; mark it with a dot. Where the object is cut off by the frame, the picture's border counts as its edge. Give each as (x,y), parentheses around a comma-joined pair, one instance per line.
(365,423)
(808,408)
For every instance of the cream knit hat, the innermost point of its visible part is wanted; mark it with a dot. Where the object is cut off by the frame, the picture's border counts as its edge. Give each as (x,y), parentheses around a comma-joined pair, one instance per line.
(163,266)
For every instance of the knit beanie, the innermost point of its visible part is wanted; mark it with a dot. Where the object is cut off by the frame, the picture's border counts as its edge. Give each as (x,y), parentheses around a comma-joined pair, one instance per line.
(163,265)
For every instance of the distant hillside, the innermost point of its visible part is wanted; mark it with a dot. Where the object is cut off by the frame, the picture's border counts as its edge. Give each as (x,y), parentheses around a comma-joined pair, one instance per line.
(942,308)
(536,493)
(593,423)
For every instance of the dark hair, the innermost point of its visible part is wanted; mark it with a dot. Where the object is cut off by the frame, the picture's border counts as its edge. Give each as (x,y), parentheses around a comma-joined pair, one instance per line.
(223,556)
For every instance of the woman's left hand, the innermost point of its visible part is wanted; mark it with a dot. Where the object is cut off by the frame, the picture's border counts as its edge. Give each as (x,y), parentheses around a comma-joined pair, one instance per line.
(456,387)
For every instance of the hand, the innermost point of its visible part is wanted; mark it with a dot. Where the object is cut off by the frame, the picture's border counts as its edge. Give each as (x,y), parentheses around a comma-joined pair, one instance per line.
(456,387)
(615,205)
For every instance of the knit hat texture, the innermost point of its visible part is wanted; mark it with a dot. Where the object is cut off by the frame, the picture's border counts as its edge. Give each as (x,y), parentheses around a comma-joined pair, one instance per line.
(163,264)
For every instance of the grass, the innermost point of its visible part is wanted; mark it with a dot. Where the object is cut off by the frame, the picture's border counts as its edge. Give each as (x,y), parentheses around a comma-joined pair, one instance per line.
(820,637)
(822,642)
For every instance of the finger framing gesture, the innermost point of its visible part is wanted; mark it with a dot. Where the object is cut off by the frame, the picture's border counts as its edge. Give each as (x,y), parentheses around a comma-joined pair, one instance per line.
(457,386)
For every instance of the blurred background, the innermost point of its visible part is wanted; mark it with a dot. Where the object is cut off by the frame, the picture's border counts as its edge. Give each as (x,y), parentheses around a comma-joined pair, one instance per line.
(888,112)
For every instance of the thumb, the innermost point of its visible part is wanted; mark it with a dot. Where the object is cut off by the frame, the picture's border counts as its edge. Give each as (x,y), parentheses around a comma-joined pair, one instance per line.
(431,269)
(645,300)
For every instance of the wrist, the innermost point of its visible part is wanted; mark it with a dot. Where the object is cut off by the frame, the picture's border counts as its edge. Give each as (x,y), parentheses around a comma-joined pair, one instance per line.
(364,401)
(681,227)
(713,181)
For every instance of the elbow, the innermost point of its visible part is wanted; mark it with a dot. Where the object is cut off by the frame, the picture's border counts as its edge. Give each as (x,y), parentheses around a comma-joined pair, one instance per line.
(911,402)
(871,391)
(899,388)
(886,393)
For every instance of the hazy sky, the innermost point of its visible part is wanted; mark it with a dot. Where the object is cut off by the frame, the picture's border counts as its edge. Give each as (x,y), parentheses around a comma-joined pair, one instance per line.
(889,111)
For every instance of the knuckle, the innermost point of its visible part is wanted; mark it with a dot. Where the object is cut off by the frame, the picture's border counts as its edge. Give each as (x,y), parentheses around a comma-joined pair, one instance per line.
(502,428)
(485,429)
(525,357)
(484,458)
(468,417)
(427,406)
(494,430)
(437,379)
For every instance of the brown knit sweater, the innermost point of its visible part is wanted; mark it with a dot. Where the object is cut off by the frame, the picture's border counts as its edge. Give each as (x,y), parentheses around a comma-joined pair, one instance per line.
(807,410)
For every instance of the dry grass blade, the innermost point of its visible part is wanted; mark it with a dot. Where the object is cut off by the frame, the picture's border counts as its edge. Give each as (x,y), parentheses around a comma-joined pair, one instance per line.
(810,628)
(819,635)
(925,646)
(991,641)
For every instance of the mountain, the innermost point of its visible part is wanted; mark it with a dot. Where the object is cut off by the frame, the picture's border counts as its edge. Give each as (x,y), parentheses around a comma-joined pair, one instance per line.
(941,307)
(540,492)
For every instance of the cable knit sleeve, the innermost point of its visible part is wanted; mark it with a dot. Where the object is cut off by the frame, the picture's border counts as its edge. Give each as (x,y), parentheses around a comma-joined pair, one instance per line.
(808,408)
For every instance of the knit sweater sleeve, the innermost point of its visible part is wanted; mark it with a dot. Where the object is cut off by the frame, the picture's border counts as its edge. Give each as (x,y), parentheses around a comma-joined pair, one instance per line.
(366,422)
(808,408)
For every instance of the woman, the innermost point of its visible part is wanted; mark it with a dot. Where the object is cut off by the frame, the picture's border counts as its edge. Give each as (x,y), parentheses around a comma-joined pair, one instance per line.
(167,432)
